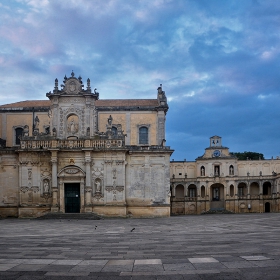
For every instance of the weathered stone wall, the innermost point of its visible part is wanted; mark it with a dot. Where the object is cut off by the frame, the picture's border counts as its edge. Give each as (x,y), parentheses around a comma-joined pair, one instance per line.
(9,195)
(131,121)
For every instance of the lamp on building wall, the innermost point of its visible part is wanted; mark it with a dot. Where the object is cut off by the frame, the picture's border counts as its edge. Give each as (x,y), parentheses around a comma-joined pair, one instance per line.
(249,206)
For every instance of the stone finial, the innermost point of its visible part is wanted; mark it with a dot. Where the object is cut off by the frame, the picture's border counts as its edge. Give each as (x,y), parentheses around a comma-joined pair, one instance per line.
(159,89)
(26,131)
(56,84)
(88,85)
(72,74)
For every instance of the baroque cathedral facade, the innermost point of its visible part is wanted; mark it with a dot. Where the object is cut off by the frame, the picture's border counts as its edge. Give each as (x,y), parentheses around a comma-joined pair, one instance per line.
(76,153)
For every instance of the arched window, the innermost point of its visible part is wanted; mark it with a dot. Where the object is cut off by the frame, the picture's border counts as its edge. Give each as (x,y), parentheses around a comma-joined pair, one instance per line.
(115,131)
(18,132)
(143,135)
(202,171)
(231,190)
(202,191)
(231,170)
(192,190)
(179,191)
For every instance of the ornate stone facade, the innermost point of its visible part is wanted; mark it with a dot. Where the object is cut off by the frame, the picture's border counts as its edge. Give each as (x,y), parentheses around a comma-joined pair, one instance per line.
(84,154)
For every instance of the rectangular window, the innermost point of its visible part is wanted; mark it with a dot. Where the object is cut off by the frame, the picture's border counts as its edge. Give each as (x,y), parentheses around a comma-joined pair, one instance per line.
(19,132)
(143,135)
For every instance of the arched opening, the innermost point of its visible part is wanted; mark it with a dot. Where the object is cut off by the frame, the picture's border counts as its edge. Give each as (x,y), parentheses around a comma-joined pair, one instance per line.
(231,190)
(143,135)
(242,190)
(254,189)
(71,184)
(192,191)
(18,132)
(217,192)
(267,207)
(231,170)
(266,188)
(202,171)
(202,192)
(217,196)
(179,191)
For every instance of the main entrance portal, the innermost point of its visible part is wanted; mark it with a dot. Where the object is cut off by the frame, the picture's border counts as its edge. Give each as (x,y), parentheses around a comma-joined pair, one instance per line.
(72,197)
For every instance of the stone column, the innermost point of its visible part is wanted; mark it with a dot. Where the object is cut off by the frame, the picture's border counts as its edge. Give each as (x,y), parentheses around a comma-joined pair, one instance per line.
(88,207)
(249,191)
(87,188)
(82,193)
(55,206)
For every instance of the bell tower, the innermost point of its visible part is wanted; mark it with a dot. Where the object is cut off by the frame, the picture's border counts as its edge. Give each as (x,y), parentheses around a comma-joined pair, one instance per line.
(215,141)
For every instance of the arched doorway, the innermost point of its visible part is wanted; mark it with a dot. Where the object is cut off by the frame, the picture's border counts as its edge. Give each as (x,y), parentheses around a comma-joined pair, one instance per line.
(267,207)
(217,196)
(71,189)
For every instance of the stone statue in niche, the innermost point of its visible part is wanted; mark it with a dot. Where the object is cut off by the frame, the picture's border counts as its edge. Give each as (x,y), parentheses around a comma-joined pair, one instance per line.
(36,123)
(46,186)
(26,131)
(97,186)
(36,126)
(72,124)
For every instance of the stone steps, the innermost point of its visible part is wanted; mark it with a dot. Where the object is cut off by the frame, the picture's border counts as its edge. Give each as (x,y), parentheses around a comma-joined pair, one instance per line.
(217,211)
(70,216)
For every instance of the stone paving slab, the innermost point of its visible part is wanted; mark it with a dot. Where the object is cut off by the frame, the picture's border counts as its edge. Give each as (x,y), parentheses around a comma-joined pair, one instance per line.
(183,247)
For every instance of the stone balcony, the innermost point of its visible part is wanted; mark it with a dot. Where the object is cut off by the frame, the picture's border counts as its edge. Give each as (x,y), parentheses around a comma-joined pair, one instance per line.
(96,144)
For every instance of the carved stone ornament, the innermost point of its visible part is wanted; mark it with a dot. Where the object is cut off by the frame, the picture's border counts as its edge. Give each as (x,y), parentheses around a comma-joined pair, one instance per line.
(119,188)
(98,196)
(24,189)
(46,196)
(9,200)
(34,189)
(114,189)
(109,188)
(71,171)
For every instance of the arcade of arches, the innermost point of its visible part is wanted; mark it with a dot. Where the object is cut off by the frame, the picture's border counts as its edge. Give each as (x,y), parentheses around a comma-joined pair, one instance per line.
(217,181)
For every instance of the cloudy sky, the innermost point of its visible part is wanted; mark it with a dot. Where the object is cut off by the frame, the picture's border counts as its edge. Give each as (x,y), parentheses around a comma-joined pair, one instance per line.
(218,62)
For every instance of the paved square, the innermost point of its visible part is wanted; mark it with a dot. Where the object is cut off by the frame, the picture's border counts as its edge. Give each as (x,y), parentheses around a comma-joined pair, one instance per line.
(240,246)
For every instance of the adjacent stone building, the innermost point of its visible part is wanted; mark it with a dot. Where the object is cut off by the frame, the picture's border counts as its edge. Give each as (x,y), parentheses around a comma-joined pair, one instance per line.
(218,182)
(76,153)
